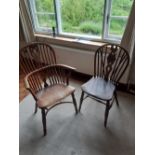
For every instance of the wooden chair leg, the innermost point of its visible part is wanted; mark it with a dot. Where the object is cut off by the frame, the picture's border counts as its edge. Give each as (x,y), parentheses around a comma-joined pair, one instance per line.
(36,108)
(74,102)
(115,94)
(81,100)
(44,121)
(106,113)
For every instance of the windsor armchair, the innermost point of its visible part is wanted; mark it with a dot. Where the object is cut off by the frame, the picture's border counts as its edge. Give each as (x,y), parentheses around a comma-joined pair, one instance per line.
(110,63)
(49,86)
(34,56)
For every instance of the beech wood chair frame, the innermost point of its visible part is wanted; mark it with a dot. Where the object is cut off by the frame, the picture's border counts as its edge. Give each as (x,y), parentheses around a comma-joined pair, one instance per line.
(48,76)
(36,55)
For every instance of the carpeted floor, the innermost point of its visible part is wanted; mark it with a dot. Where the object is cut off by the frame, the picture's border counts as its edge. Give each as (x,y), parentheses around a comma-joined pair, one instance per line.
(82,134)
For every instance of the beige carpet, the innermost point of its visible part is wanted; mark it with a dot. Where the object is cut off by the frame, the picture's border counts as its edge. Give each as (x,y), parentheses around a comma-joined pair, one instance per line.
(83,134)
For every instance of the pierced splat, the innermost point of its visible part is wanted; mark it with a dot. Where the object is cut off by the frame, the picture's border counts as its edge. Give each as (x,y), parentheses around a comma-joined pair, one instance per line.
(36,55)
(34,49)
(110,62)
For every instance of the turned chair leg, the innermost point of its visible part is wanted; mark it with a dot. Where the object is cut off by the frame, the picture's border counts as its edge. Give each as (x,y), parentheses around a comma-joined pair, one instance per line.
(115,94)
(74,102)
(106,113)
(36,108)
(44,121)
(81,100)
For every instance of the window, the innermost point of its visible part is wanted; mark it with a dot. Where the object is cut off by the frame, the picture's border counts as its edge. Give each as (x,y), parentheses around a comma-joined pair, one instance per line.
(81,17)
(91,19)
(116,14)
(43,15)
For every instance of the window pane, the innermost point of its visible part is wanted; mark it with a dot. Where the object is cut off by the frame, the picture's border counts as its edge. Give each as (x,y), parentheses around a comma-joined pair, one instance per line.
(120,11)
(117,26)
(43,14)
(44,5)
(121,7)
(46,20)
(82,16)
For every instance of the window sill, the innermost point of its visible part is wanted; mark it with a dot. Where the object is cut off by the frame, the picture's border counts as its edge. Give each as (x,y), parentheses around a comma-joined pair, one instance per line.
(69,42)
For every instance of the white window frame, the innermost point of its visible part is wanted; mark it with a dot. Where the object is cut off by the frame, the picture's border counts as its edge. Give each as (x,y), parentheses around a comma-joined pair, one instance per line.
(68,34)
(105,26)
(34,13)
(108,16)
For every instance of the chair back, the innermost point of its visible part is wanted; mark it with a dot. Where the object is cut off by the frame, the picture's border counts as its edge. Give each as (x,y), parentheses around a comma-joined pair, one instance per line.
(110,62)
(36,55)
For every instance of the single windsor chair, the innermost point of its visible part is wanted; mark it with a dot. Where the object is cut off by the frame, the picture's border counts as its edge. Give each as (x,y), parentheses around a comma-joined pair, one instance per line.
(110,63)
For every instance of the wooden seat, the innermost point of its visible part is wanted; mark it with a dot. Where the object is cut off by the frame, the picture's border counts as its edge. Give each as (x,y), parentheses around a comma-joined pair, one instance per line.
(99,88)
(49,86)
(53,94)
(110,63)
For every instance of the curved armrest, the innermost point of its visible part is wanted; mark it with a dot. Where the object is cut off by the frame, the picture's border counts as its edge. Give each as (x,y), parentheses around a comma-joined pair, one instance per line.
(51,66)
(66,67)
(59,72)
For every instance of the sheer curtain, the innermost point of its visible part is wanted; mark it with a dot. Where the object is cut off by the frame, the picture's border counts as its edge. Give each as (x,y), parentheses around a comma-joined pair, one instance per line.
(128,42)
(26,21)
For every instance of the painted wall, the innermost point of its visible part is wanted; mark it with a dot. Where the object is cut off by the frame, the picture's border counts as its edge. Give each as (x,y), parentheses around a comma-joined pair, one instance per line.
(83,60)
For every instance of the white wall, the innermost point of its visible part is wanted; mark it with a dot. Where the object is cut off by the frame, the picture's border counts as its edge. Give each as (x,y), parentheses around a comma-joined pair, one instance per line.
(82,60)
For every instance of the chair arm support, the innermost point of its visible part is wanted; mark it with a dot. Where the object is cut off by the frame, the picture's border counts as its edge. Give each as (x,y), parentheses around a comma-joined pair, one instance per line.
(44,71)
(68,68)
(27,86)
(26,81)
